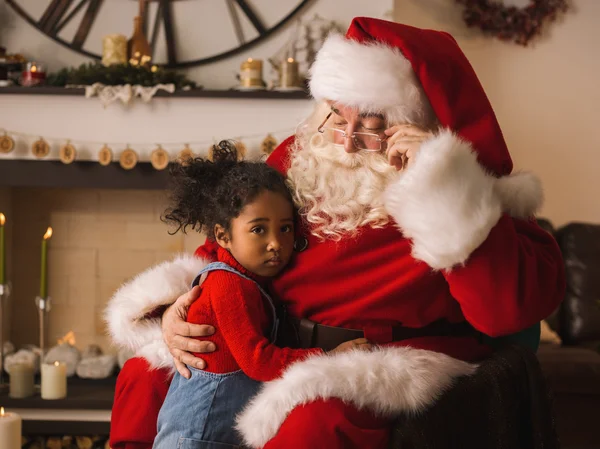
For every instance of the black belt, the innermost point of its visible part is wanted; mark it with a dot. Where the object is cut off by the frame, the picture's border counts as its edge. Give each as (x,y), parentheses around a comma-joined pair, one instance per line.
(313,335)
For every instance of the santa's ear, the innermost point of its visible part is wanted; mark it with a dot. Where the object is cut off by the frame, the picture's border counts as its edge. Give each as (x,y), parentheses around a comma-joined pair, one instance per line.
(222,237)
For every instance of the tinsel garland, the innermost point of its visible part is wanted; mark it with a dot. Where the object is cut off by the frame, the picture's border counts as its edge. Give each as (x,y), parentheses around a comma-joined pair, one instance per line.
(119,74)
(511,23)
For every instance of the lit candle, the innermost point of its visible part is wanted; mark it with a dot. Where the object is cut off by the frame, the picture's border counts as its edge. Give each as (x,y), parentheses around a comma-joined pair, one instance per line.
(289,73)
(251,73)
(34,74)
(54,380)
(10,430)
(2,250)
(21,380)
(44,268)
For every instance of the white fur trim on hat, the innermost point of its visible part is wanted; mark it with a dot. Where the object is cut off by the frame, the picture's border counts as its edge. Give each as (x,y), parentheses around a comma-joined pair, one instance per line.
(387,380)
(371,77)
(126,313)
(447,203)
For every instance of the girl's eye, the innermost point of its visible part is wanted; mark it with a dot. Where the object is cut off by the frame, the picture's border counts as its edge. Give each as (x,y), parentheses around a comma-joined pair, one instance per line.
(257,230)
(339,124)
(287,228)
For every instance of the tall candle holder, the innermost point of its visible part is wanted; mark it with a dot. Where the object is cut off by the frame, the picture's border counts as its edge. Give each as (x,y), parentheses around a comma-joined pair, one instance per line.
(44,305)
(4,294)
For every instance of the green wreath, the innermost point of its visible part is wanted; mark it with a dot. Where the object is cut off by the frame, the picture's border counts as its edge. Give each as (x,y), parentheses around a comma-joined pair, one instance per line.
(510,23)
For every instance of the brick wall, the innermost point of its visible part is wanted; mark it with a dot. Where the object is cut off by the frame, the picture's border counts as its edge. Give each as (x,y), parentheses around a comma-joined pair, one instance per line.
(101,238)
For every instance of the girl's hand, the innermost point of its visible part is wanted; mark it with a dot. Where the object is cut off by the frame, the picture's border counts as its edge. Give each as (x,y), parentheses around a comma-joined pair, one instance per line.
(404,142)
(359,343)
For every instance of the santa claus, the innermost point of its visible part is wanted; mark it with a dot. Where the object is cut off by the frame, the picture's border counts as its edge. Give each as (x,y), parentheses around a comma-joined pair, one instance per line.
(414,235)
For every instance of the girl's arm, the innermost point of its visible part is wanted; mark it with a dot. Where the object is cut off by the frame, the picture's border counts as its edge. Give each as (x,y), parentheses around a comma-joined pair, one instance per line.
(239,309)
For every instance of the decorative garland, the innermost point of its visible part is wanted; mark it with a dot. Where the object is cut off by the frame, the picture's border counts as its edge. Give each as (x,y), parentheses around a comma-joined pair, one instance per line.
(511,23)
(118,74)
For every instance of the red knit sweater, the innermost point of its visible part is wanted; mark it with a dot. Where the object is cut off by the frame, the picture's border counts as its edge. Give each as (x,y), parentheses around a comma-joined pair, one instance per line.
(237,309)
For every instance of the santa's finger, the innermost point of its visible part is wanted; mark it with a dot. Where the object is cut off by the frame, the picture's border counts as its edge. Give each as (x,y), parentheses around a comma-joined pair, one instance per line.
(405,129)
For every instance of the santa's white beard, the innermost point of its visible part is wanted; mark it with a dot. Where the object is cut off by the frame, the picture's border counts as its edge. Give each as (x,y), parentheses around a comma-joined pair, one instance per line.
(337,192)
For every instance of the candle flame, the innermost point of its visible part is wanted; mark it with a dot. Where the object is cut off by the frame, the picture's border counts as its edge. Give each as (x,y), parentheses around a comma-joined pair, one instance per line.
(249,59)
(290,59)
(1,411)
(2,219)
(56,363)
(68,338)
(33,68)
(48,233)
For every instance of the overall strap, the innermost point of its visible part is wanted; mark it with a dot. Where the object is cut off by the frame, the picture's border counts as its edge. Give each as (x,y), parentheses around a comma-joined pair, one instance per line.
(214,266)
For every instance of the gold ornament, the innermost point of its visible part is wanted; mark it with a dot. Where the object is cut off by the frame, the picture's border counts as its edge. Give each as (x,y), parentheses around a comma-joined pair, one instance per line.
(68,153)
(105,155)
(159,158)
(185,155)
(40,148)
(268,144)
(128,159)
(7,144)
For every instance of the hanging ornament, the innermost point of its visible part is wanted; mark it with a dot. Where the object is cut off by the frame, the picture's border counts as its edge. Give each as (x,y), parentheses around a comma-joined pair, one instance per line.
(185,155)
(159,158)
(128,159)
(268,144)
(7,144)
(68,153)
(241,149)
(105,155)
(40,148)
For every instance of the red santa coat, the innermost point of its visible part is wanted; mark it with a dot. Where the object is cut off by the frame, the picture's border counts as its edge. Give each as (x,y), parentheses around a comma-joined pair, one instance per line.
(462,245)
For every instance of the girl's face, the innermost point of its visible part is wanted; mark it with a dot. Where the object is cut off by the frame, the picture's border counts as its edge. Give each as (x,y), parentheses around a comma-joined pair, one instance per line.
(261,238)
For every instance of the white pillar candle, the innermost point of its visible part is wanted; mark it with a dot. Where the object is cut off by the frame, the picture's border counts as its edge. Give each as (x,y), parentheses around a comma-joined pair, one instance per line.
(54,380)
(10,430)
(21,380)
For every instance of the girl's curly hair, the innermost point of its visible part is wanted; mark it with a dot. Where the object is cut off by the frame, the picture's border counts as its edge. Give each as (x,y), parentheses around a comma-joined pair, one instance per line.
(204,193)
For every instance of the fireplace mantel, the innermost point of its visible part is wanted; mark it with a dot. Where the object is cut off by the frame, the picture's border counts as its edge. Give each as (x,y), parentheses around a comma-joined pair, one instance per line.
(198,117)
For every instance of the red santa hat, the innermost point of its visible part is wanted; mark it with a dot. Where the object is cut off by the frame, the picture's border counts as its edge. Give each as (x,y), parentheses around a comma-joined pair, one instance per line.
(458,186)
(409,75)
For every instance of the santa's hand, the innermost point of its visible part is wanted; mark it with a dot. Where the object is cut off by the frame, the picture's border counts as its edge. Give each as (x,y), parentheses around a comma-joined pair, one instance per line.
(177,333)
(404,142)
(359,343)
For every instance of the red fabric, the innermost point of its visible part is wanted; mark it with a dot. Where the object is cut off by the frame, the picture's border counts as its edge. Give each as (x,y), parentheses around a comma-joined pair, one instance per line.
(512,281)
(237,309)
(449,81)
(331,424)
(139,394)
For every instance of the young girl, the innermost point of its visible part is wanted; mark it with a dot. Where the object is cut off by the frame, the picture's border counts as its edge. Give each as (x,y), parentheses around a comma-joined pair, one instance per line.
(247,209)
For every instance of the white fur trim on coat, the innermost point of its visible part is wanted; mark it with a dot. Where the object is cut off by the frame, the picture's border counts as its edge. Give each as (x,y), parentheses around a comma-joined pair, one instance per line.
(126,313)
(372,77)
(447,203)
(387,380)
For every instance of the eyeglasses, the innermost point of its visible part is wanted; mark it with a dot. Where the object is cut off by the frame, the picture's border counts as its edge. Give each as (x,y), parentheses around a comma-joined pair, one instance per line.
(362,141)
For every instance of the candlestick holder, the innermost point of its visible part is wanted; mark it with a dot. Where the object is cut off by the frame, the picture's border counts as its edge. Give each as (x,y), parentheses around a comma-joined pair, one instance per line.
(4,294)
(44,305)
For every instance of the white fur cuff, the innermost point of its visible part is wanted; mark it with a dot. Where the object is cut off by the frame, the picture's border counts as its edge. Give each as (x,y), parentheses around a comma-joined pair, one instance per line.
(386,380)
(447,203)
(126,313)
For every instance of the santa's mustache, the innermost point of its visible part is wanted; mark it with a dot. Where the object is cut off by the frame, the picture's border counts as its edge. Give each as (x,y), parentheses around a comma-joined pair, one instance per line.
(338,192)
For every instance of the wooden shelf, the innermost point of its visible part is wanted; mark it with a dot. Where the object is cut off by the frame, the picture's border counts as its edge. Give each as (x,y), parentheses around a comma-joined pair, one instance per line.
(84,174)
(192,93)
(79,397)
(60,428)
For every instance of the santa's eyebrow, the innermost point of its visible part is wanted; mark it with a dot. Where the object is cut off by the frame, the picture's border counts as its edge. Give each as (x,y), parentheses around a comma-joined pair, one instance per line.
(371,114)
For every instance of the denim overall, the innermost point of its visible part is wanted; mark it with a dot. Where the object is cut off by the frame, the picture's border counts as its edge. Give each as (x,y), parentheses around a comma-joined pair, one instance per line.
(199,413)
